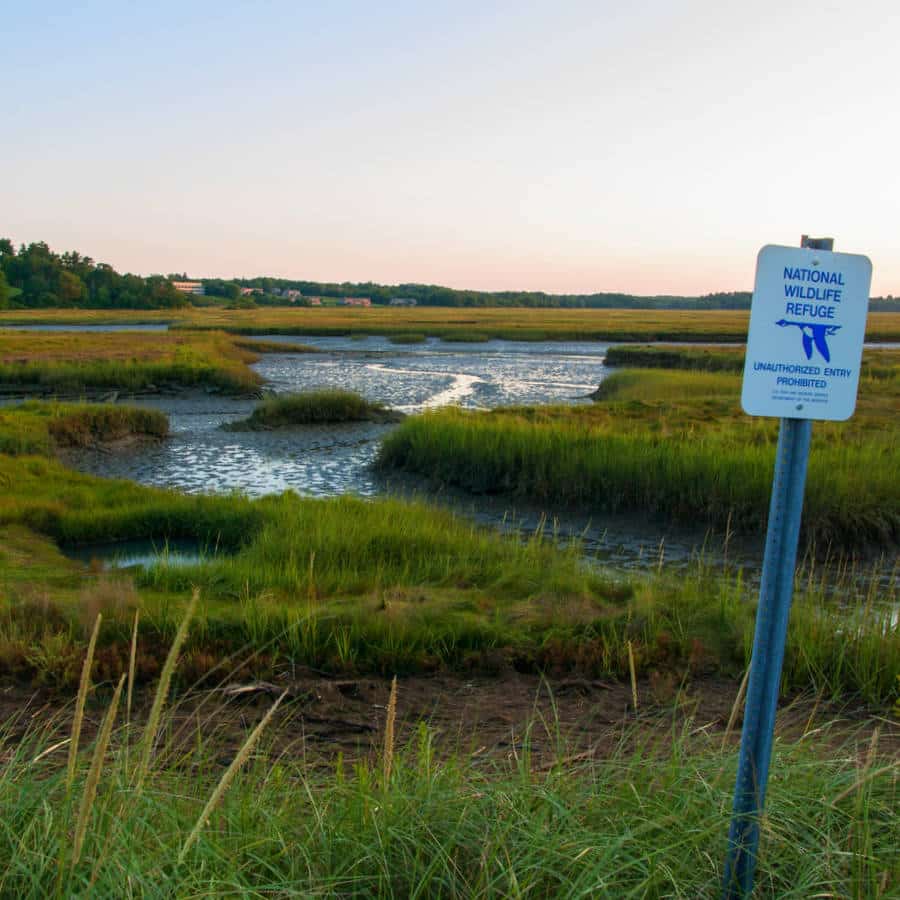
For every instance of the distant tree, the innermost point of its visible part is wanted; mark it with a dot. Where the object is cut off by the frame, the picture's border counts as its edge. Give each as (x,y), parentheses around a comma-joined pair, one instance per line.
(216,287)
(4,291)
(72,290)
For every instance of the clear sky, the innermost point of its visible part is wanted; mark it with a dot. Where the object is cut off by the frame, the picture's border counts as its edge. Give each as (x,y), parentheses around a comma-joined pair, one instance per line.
(647,146)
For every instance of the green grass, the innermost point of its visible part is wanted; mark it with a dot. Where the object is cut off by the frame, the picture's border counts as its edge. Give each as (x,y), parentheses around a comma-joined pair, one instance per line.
(257,346)
(651,820)
(671,443)
(709,359)
(512,324)
(322,407)
(465,337)
(72,363)
(73,508)
(409,338)
(385,586)
(43,428)
(876,363)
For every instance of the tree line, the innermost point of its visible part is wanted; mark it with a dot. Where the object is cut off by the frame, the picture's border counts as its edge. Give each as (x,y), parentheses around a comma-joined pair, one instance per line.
(34,276)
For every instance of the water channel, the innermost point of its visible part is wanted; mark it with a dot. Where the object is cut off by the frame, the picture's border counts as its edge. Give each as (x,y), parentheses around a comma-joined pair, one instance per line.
(328,460)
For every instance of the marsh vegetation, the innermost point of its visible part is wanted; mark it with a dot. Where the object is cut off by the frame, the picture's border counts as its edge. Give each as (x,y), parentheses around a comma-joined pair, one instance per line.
(351,589)
(697,326)
(322,407)
(72,363)
(674,443)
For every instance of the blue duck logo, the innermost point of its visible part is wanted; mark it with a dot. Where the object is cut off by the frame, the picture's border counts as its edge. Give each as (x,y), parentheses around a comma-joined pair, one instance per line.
(813,335)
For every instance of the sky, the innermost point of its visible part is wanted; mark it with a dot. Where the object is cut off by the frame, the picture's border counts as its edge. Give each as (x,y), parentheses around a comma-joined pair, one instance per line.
(648,147)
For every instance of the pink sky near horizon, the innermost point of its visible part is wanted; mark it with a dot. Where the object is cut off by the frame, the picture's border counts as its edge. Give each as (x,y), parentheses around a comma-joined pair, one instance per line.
(569,147)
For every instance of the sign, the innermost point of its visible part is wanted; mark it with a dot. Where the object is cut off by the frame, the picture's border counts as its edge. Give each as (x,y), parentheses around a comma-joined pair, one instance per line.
(804,348)
(807,325)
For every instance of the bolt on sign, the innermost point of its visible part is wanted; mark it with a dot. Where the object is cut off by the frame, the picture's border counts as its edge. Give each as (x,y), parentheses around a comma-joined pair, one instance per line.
(807,325)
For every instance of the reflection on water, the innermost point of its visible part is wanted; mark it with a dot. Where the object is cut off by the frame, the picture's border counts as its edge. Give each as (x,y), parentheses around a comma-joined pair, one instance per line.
(334,459)
(125,554)
(330,460)
(435,373)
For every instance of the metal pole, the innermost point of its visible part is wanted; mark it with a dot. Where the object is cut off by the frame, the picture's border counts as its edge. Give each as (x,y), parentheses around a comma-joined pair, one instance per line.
(775,594)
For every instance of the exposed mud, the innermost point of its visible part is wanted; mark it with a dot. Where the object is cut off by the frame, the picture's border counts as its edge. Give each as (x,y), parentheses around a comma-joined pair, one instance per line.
(505,717)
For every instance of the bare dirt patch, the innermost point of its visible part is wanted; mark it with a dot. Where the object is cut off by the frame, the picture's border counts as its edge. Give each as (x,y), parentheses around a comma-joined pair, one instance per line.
(507,716)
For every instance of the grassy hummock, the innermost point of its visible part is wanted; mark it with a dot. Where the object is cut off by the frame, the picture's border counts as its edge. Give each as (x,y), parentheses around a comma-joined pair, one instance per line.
(465,336)
(674,444)
(44,428)
(323,407)
(255,345)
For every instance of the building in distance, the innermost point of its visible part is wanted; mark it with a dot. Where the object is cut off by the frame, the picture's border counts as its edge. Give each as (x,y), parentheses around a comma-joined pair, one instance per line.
(403,301)
(189,287)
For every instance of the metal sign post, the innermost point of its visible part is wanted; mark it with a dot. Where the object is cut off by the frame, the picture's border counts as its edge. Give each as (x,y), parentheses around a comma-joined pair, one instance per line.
(782,375)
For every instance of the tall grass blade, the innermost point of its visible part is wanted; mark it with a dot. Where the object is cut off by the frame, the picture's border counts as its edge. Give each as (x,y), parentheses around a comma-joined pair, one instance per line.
(388,758)
(162,691)
(228,777)
(736,708)
(93,778)
(631,671)
(132,657)
(83,688)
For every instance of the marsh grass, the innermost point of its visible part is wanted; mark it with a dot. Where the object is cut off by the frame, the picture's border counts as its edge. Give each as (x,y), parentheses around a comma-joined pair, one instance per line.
(672,443)
(310,590)
(258,346)
(709,359)
(321,407)
(350,585)
(876,362)
(412,337)
(43,428)
(650,819)
(465,336)
(71,363)
(514,324)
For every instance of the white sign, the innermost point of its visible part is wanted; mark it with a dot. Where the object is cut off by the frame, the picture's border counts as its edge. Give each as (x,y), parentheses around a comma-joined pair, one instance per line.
(807,324)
